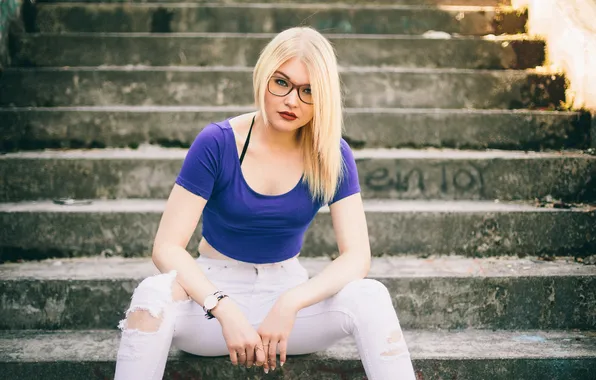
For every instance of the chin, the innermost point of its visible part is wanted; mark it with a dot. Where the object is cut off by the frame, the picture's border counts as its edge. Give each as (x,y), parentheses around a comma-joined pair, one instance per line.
(281,124)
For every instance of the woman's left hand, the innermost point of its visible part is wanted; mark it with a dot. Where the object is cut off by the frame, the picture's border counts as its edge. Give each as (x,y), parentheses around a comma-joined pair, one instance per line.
(276,329)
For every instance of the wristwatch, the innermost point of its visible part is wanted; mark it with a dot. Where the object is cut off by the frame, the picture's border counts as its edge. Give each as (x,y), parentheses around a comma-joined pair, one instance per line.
(211,302)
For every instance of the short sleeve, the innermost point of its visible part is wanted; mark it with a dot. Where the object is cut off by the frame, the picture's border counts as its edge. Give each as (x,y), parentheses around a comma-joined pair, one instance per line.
(349,184)
(202,163)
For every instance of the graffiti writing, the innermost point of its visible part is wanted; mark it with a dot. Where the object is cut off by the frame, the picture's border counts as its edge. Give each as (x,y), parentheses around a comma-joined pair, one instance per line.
(444,179)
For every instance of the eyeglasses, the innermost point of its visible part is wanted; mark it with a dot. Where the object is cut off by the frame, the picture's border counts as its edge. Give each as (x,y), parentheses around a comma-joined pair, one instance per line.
(280,86)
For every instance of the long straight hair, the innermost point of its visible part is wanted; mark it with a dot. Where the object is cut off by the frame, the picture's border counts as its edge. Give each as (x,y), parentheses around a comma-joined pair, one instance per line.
(320,138)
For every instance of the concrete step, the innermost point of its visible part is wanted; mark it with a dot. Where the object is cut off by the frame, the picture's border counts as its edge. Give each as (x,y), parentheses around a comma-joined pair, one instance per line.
(273,18)
(449,292)
(383,173)
(122,126)
(37,230)
(227,86)
(233,49)
(463,355)
(493,3)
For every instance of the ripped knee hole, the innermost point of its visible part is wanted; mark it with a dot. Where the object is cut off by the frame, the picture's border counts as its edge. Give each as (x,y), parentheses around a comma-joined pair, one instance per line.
(397,345)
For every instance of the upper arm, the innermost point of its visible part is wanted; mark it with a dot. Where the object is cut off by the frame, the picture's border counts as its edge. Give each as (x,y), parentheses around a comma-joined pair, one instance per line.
(193,188)
(349,183)
(347,209)
(203,162)
(180,218)
(349,224)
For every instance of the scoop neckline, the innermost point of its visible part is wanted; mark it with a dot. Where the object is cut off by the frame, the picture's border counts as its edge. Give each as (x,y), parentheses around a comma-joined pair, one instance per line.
(239,167)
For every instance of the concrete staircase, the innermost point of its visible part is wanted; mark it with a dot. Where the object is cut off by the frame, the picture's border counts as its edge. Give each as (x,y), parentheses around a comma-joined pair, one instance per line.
(478,193)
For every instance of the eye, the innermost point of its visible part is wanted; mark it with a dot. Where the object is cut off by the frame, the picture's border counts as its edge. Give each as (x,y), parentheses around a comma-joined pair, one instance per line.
(307,91)
(281,82)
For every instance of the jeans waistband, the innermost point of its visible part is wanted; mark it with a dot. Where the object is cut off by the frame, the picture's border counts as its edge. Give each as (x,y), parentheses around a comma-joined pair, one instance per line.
(234,262)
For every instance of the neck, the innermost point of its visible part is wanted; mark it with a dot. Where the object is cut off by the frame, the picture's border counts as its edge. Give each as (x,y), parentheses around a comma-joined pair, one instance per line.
(273,139)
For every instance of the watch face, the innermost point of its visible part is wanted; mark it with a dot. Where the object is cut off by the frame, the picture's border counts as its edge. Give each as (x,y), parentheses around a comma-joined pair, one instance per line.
(210,302)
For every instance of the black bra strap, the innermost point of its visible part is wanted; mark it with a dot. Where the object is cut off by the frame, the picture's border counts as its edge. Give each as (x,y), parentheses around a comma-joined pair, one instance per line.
(247,140)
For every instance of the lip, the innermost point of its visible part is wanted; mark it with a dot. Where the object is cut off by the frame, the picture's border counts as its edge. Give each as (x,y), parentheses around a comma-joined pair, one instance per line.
(288,115)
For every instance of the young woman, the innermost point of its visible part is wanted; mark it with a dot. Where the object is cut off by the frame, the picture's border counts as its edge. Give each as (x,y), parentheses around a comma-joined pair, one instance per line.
(258,180)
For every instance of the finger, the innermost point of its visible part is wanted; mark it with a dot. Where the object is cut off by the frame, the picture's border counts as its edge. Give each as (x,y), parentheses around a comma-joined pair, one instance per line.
(272,354)
(234,357)
(259,355)
(266,355)
(283,348)
(250,355)
(241,357)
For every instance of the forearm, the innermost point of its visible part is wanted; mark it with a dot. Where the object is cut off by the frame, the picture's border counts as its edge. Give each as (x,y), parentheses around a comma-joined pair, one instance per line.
(189,274)
(347,267)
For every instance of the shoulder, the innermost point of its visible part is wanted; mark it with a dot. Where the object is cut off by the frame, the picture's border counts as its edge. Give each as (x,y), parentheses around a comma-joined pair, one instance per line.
(346,150)
(212,136)
(343,144)
(239,125)
(215,130)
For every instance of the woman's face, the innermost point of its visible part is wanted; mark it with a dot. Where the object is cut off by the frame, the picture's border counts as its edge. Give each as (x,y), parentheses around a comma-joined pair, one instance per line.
(289,112)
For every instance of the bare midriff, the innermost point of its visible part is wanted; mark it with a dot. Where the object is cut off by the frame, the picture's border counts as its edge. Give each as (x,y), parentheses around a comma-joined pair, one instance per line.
(206,250)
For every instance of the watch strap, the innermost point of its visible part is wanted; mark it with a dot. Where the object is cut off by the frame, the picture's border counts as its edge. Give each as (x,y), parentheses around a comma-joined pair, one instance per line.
(219,295)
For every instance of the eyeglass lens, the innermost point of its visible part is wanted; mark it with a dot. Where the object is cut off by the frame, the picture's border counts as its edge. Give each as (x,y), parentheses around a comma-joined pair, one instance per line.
(281,87)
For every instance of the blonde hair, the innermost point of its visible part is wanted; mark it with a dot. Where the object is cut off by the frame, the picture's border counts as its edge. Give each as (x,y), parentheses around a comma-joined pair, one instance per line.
(320,138)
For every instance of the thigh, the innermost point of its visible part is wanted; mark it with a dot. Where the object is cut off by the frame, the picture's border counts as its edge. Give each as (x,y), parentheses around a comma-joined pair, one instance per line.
(317,327)
(195,334)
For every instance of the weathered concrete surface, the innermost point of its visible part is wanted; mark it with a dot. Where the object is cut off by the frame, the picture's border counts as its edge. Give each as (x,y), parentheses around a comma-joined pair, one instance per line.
(390,2)
(208,49)
(438,292)
(209,86)
(466,128)
(149,172)
(466,355)
(99,127)
(127,227)
(273,18)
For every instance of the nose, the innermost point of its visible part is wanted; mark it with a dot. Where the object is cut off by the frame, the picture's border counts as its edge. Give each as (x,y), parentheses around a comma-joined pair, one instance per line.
(292,98)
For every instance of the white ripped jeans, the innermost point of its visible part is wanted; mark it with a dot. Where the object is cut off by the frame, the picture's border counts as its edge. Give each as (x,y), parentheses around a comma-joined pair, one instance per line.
(362,309)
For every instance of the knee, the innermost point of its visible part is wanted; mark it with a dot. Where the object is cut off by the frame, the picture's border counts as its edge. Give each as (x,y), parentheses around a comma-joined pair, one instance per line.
(370,303)
(365,296)
(150,299)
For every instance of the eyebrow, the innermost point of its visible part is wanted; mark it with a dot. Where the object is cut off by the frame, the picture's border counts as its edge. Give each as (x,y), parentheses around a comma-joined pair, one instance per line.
(288,78)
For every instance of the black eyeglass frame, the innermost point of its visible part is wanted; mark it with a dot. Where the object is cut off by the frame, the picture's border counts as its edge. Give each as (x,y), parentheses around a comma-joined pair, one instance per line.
(293,86)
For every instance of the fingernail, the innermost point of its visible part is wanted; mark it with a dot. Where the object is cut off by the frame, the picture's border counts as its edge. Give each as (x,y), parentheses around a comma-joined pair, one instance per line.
(273,368)
(282,363)
(266,370)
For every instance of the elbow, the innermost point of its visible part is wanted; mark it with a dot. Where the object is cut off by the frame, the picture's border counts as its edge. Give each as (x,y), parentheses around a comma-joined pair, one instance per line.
(156,254)
(366,267)
(363,262)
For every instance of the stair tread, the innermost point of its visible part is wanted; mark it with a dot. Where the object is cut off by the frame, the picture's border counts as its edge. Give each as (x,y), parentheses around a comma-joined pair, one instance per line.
(110,268)
(147,151)
(101,345)
(337,36)
(236,108)
(370,205)
(249,69)
(319,6)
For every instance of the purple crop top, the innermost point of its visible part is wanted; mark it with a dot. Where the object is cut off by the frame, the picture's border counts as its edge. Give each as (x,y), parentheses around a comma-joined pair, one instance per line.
(239,222)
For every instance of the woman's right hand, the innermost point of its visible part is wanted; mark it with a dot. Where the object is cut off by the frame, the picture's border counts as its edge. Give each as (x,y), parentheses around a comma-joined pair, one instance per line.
(243,341)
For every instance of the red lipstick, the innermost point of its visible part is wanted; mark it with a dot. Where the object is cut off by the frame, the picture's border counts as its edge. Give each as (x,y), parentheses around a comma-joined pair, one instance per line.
(288,116)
